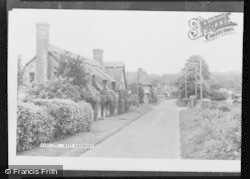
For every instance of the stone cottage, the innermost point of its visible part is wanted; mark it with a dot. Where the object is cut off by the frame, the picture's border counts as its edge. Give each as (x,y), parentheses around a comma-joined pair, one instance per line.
(42,67)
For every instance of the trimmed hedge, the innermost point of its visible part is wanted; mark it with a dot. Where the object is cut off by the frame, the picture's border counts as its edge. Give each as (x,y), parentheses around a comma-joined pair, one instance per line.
(48,119)
(34,126)
(123,94)
(70,117)
(121,108)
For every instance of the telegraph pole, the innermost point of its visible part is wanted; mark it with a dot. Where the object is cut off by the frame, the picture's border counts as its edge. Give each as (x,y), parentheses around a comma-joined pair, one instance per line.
(201,79)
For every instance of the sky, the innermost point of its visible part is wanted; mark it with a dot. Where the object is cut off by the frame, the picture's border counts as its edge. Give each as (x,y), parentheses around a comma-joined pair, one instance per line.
(156,41)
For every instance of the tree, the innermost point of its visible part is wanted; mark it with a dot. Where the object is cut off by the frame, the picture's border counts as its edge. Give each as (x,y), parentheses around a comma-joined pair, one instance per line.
(189,70)
(20,71)
(133,89)
(72,68)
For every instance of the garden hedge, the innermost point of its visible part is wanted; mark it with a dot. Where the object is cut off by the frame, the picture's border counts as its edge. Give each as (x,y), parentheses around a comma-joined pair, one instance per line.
(121,108)
(34,126)
(70,117)
(48,119)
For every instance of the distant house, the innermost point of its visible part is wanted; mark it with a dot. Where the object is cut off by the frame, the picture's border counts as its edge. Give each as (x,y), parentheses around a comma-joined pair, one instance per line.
(143,80)
(116,69)
(42,67)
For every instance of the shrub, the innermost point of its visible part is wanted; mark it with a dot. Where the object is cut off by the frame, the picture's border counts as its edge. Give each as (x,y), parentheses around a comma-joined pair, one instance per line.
(218,96)
(93,100)
(224,107)
(126,105)
(70,117)
(194,99)
(113,102)
(133,100)
(123,94)
(59,88)
(121,108)
(86,115)
(34,126)
(211,134)
(182,102)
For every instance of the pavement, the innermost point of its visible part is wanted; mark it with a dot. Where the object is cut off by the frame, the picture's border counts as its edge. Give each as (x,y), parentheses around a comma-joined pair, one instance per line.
(154,135)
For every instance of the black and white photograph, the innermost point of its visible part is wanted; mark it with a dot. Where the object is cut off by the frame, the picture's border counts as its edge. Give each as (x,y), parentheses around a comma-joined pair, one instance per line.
(125,90)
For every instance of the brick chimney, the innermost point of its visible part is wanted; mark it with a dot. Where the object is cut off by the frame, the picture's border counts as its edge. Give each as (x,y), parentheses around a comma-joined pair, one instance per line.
(98,55)
(42,46)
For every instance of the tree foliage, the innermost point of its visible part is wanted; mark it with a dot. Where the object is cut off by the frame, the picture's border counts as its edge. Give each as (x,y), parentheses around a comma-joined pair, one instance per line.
(72,68)
(189,69)
(133,88)
(20,72)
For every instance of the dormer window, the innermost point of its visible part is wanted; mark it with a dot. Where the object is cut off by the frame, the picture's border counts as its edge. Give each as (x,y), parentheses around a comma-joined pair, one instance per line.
(31,77)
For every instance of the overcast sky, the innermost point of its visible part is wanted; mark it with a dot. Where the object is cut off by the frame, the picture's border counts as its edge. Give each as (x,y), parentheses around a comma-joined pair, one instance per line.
(156,41)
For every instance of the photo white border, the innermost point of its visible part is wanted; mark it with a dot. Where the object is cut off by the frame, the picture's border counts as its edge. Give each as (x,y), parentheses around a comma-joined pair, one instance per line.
(103,164)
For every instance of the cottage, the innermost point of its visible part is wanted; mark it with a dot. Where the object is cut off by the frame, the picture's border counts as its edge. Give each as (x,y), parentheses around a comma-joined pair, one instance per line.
(143,79)
(42,67)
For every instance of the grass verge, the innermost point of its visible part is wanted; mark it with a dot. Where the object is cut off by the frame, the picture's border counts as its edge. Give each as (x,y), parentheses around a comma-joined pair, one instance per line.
(211,132)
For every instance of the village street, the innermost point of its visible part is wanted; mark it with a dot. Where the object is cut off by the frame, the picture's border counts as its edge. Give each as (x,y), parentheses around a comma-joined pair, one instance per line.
(154,135)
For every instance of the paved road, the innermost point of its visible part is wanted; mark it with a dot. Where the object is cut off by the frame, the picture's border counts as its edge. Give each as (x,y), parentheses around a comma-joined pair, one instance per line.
(154,135)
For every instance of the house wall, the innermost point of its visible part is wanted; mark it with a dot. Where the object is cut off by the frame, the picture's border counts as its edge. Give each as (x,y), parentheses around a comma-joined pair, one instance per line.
(52,67)
(122,83)
(30,68)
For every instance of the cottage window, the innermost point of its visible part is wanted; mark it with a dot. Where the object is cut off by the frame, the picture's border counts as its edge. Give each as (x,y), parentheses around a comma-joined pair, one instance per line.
(113,85)
(32,77)
(104,84)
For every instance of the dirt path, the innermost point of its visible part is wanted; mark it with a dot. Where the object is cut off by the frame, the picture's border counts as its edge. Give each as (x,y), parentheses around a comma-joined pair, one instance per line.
(154,135)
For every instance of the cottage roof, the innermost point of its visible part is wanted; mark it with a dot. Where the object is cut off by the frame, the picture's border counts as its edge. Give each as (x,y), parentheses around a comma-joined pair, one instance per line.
(114,64)
(115,73)
(92,66)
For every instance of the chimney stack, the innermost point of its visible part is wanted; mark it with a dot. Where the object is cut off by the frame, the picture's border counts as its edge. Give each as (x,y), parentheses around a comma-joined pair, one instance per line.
(42,46)
(98,55)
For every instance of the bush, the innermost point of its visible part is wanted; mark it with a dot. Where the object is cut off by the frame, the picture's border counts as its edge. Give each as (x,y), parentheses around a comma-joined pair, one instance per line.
(211,134)
(182,102)
(34,126)
(218,96)
(126,105)
(70,117)
(121,108)
(93,100)
(133,100)
(123,94)
(59,88)
(225,107)
(194,99)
